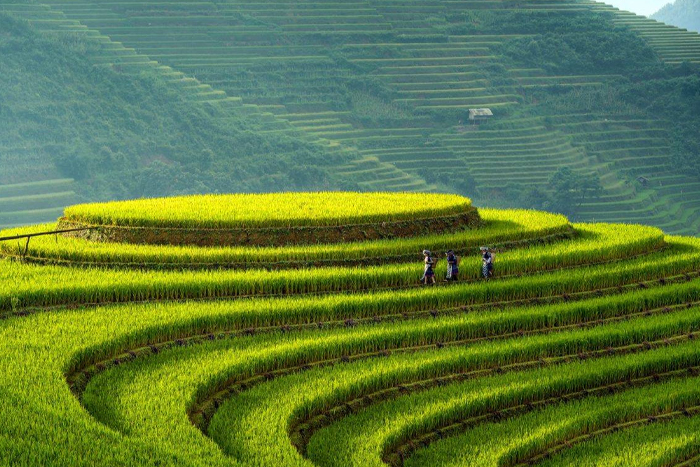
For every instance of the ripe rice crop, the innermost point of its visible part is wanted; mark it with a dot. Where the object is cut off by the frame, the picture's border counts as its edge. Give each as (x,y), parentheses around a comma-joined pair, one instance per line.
(29,285)
(267,354)
(510,227)
(283,210)
(272,219)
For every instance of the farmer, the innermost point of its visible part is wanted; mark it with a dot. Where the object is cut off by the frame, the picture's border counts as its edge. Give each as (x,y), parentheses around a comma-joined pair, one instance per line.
(429,272)
(486,262)
(452,266)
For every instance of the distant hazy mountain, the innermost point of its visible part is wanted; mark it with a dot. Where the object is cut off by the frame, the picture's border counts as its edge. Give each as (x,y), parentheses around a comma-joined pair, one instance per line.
(682,13)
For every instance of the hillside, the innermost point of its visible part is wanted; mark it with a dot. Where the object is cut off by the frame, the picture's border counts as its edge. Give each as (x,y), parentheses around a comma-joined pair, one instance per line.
(72,130)
(581,349)
(681,13)
(596,118)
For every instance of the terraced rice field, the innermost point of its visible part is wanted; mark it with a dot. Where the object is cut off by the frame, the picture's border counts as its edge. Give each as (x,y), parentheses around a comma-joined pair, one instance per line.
(582,350)
(29,203)
(391,81)
(639,147)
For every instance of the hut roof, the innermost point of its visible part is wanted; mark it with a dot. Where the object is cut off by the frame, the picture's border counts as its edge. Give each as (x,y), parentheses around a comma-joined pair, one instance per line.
(480,113)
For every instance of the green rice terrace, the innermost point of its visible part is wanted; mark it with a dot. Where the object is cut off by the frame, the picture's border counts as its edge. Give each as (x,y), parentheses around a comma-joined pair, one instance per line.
(366,95)
(270,350)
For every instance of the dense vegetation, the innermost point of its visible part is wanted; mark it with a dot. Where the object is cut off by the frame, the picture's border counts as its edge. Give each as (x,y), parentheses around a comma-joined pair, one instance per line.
(582,349)
(244,97)
(681,13)
(569,44)
(130,136)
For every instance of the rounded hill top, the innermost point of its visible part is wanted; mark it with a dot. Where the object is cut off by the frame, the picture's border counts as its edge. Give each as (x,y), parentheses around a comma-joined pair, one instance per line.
(269,210)
(274,219)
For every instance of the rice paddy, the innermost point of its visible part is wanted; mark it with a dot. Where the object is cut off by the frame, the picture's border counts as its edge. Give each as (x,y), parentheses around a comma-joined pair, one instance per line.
(220,359)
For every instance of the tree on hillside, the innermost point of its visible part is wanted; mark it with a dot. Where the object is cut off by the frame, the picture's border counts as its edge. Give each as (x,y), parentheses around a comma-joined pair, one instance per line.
(569,190)
(565,192)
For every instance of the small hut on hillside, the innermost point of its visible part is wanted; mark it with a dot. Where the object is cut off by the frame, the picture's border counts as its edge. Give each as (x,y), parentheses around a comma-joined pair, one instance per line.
(477,116)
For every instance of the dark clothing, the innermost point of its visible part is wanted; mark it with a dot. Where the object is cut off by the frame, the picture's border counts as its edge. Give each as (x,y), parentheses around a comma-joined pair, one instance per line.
(487,264)
(452,267)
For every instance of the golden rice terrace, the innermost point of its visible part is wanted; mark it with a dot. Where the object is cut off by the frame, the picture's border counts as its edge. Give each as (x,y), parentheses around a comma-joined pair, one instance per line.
(583,349)
(273,219)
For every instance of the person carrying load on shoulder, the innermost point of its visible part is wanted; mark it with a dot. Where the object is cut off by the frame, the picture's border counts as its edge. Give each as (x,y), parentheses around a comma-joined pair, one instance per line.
(429,271)
(452,266)
(486,262)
